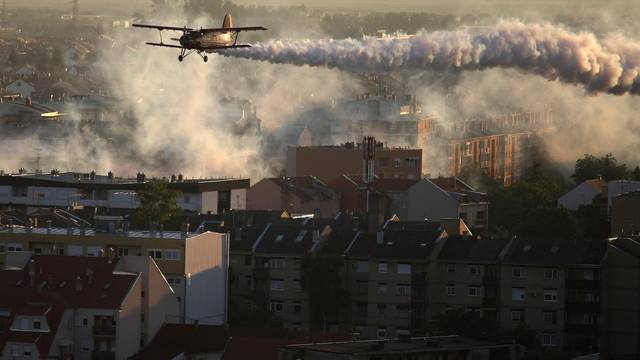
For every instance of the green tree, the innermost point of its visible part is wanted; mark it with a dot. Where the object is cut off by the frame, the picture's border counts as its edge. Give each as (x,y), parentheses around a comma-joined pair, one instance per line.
(593,221)
(635,175)
(322,282)
(592,167)
(157,204)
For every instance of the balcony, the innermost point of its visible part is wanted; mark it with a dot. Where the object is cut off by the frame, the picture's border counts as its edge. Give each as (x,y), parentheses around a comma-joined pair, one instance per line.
(104,330)
(103,355)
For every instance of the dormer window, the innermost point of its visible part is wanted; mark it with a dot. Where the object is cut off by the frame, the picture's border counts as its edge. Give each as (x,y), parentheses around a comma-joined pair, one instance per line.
(37,325)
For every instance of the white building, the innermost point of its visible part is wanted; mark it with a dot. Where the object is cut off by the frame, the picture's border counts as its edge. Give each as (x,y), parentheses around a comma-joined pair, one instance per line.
(582,194)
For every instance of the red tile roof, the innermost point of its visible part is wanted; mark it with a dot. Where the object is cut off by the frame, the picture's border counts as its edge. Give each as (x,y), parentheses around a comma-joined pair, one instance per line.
(54,290)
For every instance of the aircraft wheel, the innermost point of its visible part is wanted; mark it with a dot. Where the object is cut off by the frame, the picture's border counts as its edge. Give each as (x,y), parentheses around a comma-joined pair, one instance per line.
(180,58)
(206,58)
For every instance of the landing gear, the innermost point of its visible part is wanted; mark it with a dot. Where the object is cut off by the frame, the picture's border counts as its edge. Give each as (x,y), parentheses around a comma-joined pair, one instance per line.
(180,58)
(205,58)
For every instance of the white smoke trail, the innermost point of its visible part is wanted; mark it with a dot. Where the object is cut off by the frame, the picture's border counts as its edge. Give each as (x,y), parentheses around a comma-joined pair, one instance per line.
(611,66)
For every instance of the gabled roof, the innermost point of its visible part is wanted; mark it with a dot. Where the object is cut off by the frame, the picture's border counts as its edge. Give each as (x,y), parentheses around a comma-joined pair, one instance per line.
(306,188)
(452,184)
(552,251)
(401,245)
(471,249)
(598,184)
(175,339)
(54,290)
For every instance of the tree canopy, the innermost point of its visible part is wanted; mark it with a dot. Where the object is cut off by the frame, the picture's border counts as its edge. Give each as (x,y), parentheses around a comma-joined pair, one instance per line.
(607,167)
(157,204)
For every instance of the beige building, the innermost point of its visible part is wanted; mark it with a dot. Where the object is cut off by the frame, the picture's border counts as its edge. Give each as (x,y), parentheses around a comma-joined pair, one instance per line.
(195,265)
(61,307)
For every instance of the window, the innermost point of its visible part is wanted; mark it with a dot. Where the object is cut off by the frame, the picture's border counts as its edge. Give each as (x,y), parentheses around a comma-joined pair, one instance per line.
(404,268)
(550,274)
(1,248)
(297,264)
(94,250)
(85,345)
(403,290)
(123,252)
(549,340)
(277,284)
(301,235)
(276,306)
(37,250)
(396,163)
(550,295)
(276,263)
(474,269)
(362,266)
(74,250)
(174,281)
(474,291)
(14,247)
(382,268)
(155,253)
(279,238)
(589,275)
(382,289)
(297,285)
(297,307)
(24,324)
(85,321)
(172,254)
(36,325)
(26,350)
(518,294)
(451,290)
(451,268)
(518,272)
(517,315)
(549,317)
(382,308)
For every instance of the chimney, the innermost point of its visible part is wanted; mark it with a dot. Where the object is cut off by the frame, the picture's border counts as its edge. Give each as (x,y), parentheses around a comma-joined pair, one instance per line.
(32,272)
(79,284)
(380,237)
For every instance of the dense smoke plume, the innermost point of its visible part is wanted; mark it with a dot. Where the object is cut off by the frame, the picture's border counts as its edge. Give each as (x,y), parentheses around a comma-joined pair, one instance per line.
(611,66)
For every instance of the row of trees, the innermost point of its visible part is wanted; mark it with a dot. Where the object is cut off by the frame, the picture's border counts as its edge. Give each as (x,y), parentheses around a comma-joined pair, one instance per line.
(530,206)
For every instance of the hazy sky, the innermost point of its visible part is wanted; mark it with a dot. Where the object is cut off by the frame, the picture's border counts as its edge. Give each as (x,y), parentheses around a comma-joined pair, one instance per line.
(503,7)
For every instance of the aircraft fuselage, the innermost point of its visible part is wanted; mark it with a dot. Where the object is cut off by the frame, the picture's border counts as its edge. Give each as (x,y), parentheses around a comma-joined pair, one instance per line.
(207,40)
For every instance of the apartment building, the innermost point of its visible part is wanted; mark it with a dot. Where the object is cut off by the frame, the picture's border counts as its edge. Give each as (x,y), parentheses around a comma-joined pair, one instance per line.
(278,256)
(620,322)
(69,308)
(387,278)
(195,265)
(466,276)
(542,281)
(329,162)
(91,190)
(296,195)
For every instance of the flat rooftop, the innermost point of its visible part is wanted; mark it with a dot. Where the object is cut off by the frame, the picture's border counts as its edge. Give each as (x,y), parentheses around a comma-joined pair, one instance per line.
(93,232)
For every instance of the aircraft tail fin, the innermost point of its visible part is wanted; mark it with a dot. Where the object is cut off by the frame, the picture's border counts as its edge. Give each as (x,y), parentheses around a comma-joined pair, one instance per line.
(227,22)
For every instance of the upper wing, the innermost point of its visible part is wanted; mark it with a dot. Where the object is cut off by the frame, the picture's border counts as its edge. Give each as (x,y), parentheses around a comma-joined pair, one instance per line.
(159,27)
(237,29)
(164,45)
